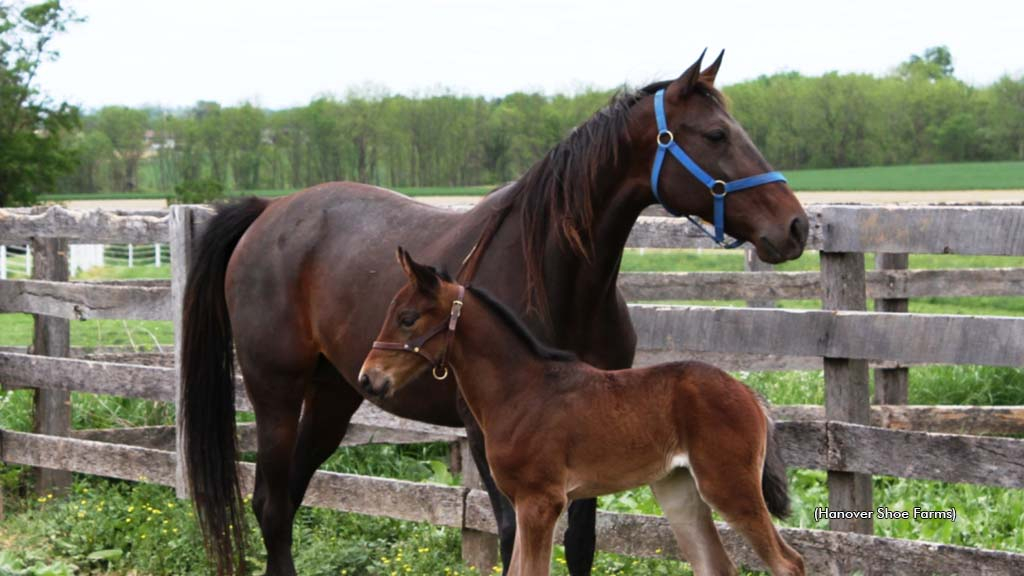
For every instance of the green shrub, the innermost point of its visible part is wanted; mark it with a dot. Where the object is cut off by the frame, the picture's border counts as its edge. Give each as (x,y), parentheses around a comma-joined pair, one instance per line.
(201,191)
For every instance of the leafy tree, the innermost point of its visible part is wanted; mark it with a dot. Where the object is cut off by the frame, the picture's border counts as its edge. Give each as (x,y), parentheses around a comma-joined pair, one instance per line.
(125,128)
(33,129)
(936,63)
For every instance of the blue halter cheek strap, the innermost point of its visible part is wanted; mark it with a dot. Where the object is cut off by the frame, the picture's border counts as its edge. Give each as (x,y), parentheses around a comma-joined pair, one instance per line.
(719,189)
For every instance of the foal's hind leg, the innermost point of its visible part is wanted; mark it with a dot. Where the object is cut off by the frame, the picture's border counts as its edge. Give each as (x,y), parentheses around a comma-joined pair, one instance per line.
(736,494)
(692,524)
(328,408)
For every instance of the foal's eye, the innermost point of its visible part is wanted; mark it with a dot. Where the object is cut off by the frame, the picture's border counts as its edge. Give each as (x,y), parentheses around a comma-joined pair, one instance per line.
(715,135)
(408,318)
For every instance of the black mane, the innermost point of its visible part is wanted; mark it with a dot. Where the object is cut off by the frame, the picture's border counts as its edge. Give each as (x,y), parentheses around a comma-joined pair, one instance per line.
(559,191)
(519,329)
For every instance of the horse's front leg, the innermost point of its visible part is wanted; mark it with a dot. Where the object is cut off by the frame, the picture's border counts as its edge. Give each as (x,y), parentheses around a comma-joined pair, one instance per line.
(504,514)
(536,515)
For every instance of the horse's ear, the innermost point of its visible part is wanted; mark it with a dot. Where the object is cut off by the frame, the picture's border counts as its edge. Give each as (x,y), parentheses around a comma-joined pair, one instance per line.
(423,278)
(711,72)
(683,85)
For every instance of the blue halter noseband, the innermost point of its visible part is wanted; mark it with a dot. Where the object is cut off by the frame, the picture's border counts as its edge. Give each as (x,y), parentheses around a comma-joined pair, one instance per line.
(719,189)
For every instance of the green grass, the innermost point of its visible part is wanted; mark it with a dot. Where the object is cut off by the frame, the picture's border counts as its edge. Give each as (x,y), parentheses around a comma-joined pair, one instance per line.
(958,176)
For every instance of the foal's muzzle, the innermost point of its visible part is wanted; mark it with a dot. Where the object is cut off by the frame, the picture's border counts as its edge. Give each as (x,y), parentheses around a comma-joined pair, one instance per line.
(375,383)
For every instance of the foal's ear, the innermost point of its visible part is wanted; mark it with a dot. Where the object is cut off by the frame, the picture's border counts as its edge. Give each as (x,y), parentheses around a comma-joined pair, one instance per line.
(683,85)
(711,72)
(423,278)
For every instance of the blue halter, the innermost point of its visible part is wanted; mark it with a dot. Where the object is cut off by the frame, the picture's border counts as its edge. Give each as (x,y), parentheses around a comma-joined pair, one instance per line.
(719,189)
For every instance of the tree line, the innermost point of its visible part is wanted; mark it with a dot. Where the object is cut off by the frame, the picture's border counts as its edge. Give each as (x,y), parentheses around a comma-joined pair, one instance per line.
(918,113)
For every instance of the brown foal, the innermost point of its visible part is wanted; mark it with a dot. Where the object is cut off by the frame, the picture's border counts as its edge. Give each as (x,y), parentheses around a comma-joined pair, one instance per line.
(557,429)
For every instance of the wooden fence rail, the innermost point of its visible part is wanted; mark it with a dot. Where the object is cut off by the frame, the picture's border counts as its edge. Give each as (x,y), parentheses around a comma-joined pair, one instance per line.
(992,230)
(457,507)
(853,443)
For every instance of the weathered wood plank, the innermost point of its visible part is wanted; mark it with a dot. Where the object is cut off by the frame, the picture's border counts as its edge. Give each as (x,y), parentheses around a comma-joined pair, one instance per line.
(52,337)
(128,380)
(994,230)
(946,457)
(92,226)
(183,235)
(732,361)
(88,457)
(824,552)
(905,338)
(479,548)
(361,431)
(438,505)
(846,386)
(866,450)
(892,384)
(973,420)
(639,286)
(84,300)
(752,263)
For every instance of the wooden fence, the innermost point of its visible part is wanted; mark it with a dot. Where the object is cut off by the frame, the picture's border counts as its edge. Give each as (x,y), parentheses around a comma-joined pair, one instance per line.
(848,437)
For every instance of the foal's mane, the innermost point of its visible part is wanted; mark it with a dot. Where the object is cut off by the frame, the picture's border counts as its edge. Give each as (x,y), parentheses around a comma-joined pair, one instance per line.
(509,318)
(558,192)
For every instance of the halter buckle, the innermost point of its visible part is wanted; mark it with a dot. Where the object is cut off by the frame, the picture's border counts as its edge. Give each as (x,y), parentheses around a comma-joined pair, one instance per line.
(665,143)
(442,375)
(717,185)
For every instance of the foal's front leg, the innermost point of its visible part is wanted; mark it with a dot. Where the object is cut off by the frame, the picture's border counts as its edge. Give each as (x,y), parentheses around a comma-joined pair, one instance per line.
(536,516)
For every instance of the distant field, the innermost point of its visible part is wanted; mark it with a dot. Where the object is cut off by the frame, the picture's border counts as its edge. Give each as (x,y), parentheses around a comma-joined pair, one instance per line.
(922,177)
(962,176)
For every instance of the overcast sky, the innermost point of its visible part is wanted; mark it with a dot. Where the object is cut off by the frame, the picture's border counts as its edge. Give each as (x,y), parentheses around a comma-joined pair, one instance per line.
(280,54)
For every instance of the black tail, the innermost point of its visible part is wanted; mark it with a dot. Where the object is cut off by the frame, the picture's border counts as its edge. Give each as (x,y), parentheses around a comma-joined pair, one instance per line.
(208,385)
(774,485)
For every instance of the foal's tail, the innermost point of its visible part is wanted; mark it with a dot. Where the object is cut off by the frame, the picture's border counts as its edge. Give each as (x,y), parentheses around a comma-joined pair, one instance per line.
(208,389)
(774,485)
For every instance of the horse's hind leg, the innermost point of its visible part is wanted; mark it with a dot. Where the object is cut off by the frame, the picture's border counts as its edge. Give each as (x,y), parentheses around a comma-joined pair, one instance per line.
(328,408)
(692,524)
(276,400)
(736,494)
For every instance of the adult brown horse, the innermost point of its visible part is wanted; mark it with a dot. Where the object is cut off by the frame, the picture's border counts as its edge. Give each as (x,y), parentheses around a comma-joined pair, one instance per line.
(558,429)
(298,287)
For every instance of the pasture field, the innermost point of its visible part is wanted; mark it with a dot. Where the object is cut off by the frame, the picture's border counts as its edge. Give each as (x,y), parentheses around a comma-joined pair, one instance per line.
(106,526)
(914,177)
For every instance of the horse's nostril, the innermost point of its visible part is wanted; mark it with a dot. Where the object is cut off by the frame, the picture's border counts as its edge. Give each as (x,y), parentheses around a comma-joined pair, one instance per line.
(798,229)
(364,381)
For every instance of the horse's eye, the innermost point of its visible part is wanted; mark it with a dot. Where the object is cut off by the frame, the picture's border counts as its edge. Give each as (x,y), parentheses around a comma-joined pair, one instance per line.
(408,318)
(715,135)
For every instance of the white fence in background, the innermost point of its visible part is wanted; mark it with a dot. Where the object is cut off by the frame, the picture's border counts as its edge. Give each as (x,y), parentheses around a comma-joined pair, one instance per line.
(16,260)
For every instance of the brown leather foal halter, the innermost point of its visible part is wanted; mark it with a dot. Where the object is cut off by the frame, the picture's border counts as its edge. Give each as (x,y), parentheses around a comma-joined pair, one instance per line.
(465,276)
(415,345)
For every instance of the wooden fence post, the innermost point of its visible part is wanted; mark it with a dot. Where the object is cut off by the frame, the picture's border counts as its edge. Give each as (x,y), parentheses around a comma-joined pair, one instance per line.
(891,384)
(181,251)
(479,549)
(754,264)
(52,338)
(846,386)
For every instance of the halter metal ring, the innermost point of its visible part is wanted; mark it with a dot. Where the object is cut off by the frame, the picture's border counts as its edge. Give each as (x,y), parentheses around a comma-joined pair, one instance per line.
(442,375)
(665,143)
(717,185)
